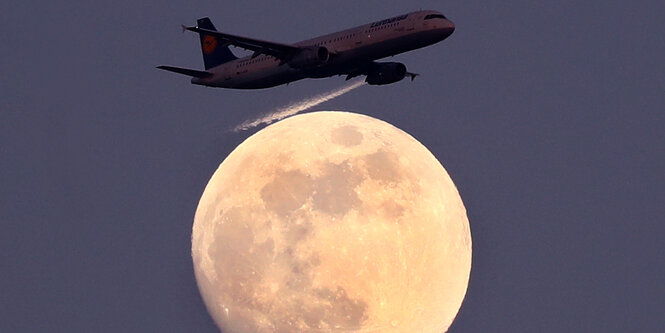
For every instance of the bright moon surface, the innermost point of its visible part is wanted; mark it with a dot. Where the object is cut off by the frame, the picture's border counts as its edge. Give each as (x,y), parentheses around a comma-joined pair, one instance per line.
(331,222)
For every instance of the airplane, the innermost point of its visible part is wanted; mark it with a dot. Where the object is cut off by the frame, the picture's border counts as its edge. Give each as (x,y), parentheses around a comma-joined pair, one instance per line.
(352,52)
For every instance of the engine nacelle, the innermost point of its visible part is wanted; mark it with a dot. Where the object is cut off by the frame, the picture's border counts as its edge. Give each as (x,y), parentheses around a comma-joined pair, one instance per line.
(386,73)
(310,57)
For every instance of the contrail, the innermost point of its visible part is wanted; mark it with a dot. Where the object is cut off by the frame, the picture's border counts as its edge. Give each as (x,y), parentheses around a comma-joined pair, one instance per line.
(296,107)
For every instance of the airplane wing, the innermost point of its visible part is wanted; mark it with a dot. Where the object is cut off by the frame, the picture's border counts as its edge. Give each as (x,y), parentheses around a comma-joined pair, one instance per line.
(277,50)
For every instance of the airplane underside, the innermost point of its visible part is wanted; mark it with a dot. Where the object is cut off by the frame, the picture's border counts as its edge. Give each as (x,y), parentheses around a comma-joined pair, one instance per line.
(351,53)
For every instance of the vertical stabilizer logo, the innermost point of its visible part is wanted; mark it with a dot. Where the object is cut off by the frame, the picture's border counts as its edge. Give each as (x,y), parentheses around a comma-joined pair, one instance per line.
(209,44)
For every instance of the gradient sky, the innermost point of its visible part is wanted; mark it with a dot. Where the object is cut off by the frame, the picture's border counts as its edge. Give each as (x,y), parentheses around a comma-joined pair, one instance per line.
(550,118)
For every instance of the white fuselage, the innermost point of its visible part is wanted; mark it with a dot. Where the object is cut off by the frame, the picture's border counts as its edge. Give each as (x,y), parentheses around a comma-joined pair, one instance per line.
(348,48)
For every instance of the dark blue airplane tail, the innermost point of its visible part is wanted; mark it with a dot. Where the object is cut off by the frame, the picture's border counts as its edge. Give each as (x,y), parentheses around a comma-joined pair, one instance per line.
(215,52)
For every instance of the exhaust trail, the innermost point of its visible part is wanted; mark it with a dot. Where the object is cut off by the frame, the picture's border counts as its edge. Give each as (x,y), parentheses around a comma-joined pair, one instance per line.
(297,107)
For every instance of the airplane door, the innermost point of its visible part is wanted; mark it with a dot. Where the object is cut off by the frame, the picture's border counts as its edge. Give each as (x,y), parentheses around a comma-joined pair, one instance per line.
(411,22)
(360,35)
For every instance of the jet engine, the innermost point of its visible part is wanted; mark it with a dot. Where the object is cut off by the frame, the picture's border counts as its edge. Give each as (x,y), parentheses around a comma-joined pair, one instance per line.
(386,73)
(310,57)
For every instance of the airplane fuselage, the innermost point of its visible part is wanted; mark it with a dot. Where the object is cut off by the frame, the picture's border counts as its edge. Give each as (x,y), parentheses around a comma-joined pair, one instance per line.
(348,49)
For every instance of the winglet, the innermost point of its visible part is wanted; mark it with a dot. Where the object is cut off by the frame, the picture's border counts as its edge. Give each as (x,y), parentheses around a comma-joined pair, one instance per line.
(412,75)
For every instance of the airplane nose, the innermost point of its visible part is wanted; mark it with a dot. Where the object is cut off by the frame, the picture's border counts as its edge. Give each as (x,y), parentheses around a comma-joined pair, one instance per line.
(448,28)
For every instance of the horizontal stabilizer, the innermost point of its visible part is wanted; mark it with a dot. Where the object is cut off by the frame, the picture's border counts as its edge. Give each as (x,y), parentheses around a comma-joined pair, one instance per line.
(185,71)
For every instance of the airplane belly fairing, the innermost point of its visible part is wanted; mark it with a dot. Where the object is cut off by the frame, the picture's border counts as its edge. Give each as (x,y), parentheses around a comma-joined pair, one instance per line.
(266,78)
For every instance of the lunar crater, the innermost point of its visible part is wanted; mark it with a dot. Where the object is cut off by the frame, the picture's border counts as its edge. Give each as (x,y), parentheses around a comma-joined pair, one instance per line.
(383,165)
(346,136)
(334,192)
(287,192)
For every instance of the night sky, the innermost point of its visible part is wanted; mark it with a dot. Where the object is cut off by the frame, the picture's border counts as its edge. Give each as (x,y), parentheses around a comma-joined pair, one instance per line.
(549,117)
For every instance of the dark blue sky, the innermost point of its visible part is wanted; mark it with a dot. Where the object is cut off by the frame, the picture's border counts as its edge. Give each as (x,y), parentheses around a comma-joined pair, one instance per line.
(550,118)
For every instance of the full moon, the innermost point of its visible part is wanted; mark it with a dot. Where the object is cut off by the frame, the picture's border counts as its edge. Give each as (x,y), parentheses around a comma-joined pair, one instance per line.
(331,222)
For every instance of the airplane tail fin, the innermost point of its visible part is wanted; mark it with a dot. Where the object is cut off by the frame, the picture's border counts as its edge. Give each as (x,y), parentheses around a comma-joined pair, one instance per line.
(215,51)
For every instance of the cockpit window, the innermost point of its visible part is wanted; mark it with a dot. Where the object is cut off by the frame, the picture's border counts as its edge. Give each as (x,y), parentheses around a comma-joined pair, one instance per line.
(433,16)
